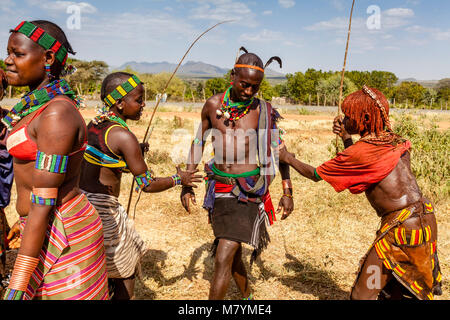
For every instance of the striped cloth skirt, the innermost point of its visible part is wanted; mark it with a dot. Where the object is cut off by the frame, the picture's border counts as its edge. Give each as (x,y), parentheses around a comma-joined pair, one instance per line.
(72,260)
(123,245)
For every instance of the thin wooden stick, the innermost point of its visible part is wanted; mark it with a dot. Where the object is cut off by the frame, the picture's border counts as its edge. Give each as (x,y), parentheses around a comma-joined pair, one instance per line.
(164,90)
(343,70)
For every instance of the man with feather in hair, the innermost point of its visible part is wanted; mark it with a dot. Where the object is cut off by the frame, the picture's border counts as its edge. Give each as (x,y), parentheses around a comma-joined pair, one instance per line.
(246,141)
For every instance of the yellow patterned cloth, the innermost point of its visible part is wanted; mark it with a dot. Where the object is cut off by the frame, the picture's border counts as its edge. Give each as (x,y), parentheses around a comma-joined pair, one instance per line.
(406,244)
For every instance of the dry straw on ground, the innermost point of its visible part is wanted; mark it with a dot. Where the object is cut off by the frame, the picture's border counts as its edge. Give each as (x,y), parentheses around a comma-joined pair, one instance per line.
(313,254)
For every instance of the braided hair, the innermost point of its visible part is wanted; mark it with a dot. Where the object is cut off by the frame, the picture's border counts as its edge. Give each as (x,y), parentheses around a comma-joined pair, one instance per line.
(371,101)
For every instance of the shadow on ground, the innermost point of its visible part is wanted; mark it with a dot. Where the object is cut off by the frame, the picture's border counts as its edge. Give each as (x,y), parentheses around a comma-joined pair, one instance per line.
(307,278)
(311,280)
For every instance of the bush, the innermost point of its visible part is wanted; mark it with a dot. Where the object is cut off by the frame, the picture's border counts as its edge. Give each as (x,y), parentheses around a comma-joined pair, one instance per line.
(429,156)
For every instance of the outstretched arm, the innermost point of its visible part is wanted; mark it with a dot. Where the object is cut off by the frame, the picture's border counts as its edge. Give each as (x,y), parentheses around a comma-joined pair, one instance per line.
(303,168)
(128,146)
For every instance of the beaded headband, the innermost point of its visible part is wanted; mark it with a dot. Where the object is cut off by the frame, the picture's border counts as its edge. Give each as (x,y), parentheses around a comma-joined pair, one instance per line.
(249,66)
(43,39)
(122,90)
(374,97)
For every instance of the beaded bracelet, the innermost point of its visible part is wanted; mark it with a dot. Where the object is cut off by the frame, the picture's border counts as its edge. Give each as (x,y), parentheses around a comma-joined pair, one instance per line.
(12,294)
(288,195)
(176,180)
(143,180)
(51,163)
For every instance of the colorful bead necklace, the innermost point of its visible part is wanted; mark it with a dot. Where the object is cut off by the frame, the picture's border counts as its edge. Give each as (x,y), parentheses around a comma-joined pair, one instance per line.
(35,99)
(233,111)
(104,114)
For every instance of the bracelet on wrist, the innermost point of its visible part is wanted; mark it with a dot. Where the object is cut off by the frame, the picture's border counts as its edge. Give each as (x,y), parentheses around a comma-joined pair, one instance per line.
(288,195)
(176,180)
(287,184)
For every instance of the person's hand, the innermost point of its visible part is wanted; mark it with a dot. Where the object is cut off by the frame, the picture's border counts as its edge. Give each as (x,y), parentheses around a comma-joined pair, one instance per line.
(286,206)
(187,195)
(284,155)
(189,177)
(3,83)
(14,237)
(339,128)
(144,147)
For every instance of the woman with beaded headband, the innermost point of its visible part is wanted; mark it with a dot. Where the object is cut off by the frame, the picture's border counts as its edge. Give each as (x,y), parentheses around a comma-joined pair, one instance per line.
(62,254)
(6,181)
(403,256)
(113,149)
(244,128)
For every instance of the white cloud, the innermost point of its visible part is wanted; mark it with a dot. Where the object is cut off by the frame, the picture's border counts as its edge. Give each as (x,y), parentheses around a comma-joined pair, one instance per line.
(219,10)
(61,6)
(399,12)
(7,6)
(338,4)
(286,3)
(263,36)
(267,13)
(429,32)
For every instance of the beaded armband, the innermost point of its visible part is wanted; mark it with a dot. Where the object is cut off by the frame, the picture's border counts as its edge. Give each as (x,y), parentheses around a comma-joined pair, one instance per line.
(176,180)
(12,294)
(143,180)
(51,163)
(44,196)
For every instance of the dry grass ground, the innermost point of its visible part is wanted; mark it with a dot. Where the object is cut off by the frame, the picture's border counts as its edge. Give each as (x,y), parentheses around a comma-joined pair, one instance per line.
(314,254)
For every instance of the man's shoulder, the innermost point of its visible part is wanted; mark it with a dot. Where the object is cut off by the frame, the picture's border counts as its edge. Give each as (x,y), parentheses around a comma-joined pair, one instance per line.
(215,99)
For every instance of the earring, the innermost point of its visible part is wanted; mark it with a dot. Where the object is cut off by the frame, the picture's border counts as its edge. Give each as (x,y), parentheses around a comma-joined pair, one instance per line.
(48,71)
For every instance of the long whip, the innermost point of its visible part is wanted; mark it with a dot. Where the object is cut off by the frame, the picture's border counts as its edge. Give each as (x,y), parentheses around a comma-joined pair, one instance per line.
(343,70)
(146,136)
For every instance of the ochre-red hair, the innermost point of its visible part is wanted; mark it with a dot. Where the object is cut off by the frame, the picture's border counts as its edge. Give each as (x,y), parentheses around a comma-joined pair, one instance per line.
(357,104)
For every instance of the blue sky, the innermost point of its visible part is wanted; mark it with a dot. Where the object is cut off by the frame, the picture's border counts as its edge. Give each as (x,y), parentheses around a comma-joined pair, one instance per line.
(411,40)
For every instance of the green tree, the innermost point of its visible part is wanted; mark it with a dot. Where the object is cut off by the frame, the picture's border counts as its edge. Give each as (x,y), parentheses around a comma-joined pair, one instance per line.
(88,77)
(215,85)
(329,88)
(266,91)
(154,84)
(410,92)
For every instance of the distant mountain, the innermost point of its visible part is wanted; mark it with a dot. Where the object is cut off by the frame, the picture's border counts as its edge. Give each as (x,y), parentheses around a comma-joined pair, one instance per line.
(425,83)
(189,69)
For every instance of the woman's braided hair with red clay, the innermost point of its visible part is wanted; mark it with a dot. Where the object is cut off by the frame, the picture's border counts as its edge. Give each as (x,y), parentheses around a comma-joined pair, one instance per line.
(371,101)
